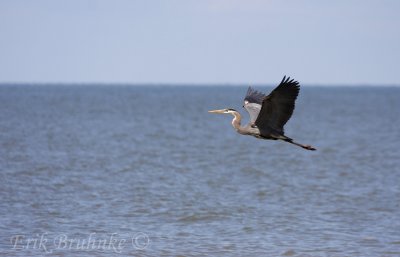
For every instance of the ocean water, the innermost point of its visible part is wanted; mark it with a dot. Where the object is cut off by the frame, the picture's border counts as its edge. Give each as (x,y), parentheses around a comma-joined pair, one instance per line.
(103,170)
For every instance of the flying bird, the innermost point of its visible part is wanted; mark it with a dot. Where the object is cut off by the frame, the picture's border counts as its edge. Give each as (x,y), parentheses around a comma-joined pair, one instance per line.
(268,114)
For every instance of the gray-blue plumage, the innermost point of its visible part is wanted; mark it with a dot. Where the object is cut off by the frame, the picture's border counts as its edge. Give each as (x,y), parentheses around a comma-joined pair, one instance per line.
(268,114)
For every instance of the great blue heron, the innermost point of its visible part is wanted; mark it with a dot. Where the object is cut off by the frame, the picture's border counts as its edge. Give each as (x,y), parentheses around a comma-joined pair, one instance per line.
(268,114)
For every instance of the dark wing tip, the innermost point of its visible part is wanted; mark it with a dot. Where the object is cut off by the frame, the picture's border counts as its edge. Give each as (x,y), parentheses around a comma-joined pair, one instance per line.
(288,82)
(283,80)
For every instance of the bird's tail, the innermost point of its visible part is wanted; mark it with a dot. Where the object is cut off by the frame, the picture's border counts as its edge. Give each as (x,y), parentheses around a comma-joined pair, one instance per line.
(289,140)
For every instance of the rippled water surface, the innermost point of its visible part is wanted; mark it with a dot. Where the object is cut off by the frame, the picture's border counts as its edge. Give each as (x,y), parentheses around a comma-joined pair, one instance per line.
(86,167)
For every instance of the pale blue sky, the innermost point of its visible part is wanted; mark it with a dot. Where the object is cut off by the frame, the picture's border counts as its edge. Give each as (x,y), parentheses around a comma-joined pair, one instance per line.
(200,41)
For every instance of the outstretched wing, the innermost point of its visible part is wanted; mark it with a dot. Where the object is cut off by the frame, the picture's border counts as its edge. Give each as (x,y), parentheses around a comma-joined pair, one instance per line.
(252,103)
(277,107)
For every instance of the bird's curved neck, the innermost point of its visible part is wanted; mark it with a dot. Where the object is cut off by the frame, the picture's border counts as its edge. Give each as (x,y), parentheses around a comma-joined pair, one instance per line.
(237,118)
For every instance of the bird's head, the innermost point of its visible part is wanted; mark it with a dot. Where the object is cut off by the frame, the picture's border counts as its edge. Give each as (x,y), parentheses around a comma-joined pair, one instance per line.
(223,111)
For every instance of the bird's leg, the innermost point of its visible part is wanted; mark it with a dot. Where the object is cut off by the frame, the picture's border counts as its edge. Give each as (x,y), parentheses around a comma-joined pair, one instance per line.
(307,147)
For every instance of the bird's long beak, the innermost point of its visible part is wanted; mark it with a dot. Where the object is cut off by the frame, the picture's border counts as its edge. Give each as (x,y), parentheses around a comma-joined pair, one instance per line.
(217,111)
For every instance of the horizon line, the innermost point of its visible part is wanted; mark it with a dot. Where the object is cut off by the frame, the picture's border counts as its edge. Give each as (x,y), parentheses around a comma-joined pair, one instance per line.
(181,84)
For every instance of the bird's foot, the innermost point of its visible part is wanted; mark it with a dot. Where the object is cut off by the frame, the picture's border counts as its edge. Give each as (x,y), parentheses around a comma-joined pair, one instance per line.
(309,147)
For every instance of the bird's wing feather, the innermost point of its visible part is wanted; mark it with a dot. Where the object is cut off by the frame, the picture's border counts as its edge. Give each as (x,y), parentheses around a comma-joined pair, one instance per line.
(253,109)
(277,107)
(252,103)
(253,96)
